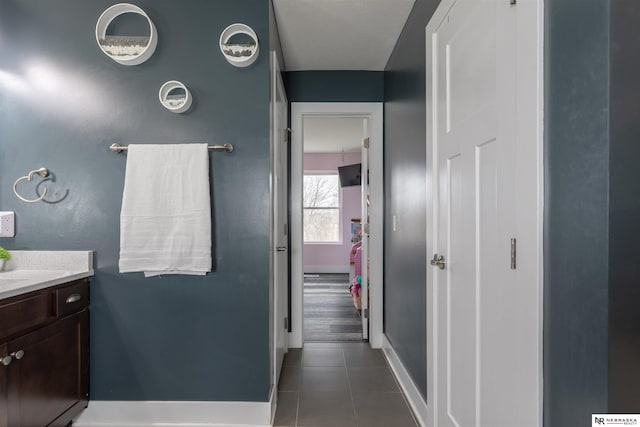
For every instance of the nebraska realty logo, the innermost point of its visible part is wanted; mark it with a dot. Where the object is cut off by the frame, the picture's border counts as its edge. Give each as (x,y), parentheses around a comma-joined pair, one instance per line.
(615,420)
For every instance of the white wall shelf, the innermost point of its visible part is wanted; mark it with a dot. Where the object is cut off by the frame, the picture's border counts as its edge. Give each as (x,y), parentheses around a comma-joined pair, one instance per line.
(175,97)
(125,50)
(239,54)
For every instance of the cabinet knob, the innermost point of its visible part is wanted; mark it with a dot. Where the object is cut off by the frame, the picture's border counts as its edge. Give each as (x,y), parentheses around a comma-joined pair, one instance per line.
(6,361)
(18,354)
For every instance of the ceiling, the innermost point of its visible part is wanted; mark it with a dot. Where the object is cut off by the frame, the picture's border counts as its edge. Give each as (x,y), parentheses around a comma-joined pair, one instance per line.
(339,34)
(323,134)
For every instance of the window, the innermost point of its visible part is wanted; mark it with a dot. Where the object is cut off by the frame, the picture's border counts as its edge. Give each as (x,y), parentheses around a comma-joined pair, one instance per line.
(321,201)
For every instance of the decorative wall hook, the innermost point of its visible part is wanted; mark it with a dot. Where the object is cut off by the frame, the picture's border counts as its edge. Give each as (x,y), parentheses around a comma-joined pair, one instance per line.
(43,172)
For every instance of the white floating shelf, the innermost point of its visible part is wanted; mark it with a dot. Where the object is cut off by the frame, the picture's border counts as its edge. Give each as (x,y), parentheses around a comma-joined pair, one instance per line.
(125,50)
(175,103)
(239,55)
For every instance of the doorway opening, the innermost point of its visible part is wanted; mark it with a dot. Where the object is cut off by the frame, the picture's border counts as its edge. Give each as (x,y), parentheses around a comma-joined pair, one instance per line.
(332,209)
(333,145)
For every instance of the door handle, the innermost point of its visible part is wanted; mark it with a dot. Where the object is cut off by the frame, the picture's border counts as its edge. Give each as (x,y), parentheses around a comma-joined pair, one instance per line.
(438,261)
(73,298)
(281,248)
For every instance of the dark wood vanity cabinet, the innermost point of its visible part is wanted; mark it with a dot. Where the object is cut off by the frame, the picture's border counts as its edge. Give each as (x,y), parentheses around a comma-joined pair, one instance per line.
(44,373)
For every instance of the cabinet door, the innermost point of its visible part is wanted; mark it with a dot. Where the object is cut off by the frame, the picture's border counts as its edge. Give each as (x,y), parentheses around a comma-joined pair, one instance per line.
(51,376)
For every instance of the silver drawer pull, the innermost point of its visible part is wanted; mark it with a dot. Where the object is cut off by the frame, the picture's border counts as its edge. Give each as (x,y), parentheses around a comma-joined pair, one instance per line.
(6,361)
(18,354)
(73,298)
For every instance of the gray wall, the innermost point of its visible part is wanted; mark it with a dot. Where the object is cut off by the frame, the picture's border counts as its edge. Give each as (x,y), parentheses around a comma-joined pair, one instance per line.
(624,220)
(335,86)
(405,194)
(62,103)
(576,210)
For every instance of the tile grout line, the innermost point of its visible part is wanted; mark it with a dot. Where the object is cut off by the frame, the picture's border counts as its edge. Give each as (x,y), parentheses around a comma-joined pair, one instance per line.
(299,385)
(353,405)
(404,397)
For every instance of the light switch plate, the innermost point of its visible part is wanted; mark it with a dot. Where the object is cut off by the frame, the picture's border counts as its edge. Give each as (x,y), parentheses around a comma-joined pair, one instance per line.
(7,224)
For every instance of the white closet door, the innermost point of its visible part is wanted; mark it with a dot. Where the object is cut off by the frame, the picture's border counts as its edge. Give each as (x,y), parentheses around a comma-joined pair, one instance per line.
(486,341)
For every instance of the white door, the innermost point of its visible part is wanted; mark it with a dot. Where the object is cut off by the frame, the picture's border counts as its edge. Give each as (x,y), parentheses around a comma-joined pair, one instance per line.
(365,193)
(280,140)
(486,340)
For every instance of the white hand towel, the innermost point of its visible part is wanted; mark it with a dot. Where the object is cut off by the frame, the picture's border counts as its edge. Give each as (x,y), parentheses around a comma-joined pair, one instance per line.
(165,222)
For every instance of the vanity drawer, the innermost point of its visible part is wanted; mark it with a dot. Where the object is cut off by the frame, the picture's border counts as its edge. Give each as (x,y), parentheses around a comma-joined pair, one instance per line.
(72,298)
(25,313)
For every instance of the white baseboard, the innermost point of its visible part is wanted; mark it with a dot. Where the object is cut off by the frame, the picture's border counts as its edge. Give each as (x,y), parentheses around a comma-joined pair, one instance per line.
(177,414)
(411,391)
(310,269)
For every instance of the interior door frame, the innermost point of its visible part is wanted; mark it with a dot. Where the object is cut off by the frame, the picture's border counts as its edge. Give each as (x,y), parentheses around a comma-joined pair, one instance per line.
(277,313)
(530,128)
(374,111)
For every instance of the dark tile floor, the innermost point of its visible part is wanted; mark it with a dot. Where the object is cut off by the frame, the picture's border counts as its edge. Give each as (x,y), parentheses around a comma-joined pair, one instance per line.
(339,385)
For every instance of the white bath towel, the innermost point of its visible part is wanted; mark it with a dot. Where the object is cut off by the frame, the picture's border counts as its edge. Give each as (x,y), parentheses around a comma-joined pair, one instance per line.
(165,222)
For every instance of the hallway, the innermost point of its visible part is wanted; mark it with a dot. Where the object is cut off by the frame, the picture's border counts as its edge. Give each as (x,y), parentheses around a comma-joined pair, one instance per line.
(339,385)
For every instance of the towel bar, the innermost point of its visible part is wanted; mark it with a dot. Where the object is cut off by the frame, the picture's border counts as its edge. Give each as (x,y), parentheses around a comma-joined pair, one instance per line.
(226,147)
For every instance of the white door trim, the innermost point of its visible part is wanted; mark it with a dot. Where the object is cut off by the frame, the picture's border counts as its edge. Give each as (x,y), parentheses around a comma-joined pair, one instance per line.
(530,125)
(278,125)
(374,110)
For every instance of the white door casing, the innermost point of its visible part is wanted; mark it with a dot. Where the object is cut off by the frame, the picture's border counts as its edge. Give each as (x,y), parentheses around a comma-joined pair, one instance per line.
(374,111)
(279,182)
(484,332)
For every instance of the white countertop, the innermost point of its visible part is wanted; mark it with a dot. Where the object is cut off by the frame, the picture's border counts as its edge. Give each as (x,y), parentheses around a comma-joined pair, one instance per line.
(29,271)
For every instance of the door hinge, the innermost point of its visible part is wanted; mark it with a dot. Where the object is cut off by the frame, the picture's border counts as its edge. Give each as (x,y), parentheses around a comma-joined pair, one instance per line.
(513,254)
(365,143)
(286,323)
(365,228)
(366,313)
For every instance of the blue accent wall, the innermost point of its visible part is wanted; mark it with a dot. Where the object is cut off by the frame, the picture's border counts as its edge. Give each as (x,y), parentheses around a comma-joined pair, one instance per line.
(62,103)
(405,314)
(624,202)
(334,86)
(576,230)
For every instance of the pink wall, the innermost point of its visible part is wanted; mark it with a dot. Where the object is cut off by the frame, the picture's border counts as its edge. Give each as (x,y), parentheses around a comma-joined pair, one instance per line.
(333,257)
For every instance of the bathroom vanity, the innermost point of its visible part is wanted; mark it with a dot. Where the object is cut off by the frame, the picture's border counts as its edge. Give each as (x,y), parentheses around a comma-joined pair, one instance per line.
(44,338)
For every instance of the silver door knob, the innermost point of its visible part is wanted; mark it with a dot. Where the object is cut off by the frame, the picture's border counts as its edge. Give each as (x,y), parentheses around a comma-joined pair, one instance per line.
(18,354)
(438,261)
(281,248)
(6,361)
